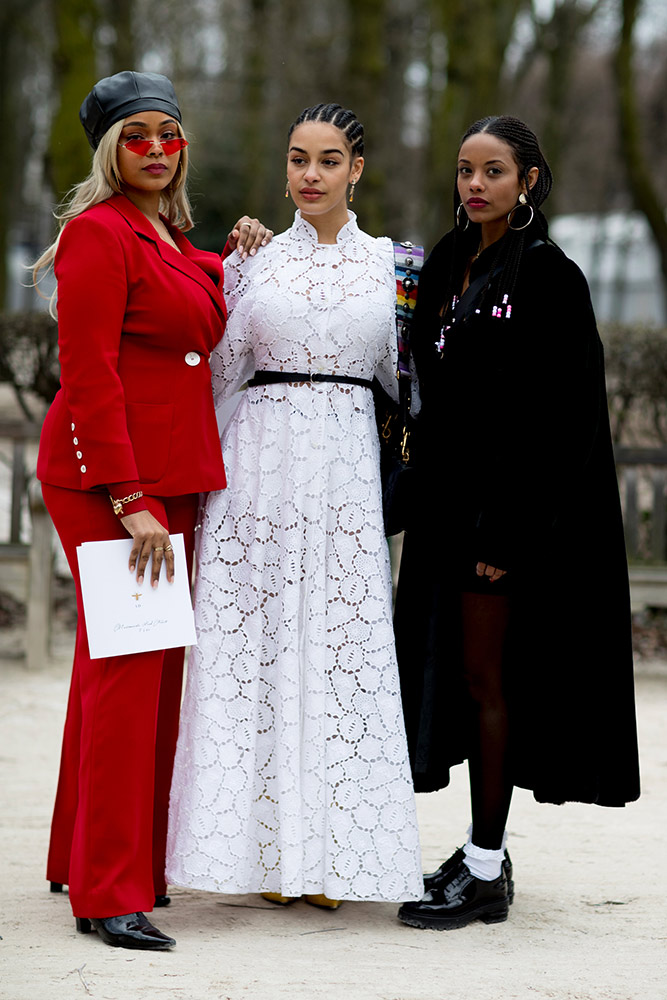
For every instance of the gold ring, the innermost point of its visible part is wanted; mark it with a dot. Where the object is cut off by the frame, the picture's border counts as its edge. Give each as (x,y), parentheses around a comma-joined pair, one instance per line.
(169,548)
(158,548)
(246,224)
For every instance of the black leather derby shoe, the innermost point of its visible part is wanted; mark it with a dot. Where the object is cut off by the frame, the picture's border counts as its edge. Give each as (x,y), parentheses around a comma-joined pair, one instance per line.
(457,900)
(433,878)
(131,930)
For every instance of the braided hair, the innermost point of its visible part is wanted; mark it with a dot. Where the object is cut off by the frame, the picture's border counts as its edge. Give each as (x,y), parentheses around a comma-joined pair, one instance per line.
(342,118)
(507,260)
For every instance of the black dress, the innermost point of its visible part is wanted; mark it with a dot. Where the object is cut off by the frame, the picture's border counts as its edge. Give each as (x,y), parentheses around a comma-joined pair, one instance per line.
(515,467)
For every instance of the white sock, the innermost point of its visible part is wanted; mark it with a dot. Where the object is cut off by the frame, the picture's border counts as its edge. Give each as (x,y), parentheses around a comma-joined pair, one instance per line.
(483,863)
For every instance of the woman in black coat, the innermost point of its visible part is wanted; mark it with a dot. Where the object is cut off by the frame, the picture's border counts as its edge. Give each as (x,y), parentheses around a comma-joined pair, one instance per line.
(513,611)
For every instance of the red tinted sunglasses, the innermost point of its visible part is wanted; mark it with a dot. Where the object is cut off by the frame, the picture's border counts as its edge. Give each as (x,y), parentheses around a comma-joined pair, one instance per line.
(142,146)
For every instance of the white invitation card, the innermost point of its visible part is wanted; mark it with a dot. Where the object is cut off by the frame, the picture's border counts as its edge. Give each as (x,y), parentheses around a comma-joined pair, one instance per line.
(123,616)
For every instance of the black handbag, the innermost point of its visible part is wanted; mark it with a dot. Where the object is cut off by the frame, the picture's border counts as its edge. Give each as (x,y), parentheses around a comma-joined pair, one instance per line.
(393,419)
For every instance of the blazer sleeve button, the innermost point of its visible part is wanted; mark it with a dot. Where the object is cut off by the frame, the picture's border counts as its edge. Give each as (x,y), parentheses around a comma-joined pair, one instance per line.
(83,468)
(192,358)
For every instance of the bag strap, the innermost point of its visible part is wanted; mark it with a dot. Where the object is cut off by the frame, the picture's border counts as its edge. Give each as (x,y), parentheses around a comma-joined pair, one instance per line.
(408,262)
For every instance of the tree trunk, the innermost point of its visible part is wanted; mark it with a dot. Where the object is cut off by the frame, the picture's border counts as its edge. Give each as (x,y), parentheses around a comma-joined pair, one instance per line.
(644,191)
(73,76)
(15,20)
(123,52)
(7,161)
(254,102)
(476,34)
(364,88)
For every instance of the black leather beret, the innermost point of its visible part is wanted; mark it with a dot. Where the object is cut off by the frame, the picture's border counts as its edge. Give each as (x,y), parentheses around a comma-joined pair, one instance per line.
(115,97)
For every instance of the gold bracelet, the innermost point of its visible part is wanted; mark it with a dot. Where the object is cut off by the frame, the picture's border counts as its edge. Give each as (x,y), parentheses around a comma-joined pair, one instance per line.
(118,504)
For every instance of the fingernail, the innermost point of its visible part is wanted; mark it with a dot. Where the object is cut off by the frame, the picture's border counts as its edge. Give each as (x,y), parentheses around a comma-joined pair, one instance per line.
(253,252)
(154,584)
(140,579)
(263,243)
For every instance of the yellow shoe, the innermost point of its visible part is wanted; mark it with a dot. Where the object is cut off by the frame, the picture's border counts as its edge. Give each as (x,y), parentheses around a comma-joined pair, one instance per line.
(321,900)
(275,897)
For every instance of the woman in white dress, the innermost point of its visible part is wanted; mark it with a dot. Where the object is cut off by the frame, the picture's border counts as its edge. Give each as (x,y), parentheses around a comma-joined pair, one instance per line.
(291,773)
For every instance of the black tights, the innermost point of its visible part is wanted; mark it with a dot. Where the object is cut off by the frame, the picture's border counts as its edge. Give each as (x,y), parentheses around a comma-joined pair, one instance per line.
(485,618)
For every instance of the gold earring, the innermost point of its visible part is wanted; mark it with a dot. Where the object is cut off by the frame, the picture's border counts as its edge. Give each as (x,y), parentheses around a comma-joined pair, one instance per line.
(353,184)
(521,203)
(287,189)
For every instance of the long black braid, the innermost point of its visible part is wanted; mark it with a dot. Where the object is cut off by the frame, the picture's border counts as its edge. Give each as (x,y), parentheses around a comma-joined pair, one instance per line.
(507,260)
(342,118)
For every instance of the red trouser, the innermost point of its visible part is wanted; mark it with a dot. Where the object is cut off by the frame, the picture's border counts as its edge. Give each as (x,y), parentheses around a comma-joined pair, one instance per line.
(109,829)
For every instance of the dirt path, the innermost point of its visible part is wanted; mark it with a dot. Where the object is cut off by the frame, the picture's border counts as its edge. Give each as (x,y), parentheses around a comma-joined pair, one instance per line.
(589,921)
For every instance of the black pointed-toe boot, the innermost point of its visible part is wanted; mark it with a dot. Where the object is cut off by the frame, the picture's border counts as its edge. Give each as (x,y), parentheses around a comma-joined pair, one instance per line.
(131,930)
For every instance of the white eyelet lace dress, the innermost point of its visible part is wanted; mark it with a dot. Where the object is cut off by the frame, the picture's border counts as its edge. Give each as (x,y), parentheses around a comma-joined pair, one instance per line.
(291,772)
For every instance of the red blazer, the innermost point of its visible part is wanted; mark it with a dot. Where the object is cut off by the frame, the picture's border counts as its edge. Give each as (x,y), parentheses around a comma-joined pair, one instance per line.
(137,322)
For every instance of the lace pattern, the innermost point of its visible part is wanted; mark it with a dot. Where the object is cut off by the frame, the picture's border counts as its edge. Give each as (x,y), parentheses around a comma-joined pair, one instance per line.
(291,772)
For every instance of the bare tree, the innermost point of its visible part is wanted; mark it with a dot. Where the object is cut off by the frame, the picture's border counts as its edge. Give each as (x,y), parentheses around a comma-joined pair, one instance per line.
(557,41)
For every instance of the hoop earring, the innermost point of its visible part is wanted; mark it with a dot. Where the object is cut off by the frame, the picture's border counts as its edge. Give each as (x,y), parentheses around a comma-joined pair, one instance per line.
(459,224)
(353,184)
(522,203)
(287,189)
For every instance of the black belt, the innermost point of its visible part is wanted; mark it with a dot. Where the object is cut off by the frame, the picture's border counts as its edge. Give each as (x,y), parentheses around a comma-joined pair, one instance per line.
(268,378)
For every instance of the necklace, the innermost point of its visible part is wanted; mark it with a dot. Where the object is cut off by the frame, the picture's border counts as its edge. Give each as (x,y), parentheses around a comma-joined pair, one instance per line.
(476,255)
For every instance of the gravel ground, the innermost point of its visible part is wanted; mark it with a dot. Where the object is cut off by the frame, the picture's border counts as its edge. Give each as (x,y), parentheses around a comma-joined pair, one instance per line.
(588,922)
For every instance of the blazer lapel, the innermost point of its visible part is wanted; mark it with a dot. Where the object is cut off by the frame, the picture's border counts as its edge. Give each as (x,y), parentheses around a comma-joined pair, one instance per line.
(185,261)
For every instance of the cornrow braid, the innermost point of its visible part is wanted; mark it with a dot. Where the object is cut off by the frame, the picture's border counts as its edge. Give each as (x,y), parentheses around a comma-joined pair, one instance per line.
(507,260)
(342,118)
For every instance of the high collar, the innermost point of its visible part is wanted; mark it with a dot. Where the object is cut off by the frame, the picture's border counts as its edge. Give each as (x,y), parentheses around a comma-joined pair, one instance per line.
(305,230)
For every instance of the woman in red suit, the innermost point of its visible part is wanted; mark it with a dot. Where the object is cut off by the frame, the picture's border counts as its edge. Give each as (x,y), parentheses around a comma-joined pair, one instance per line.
(127,446)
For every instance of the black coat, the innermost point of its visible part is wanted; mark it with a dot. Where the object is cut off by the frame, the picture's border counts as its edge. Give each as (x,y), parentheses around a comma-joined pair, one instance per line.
(514,467)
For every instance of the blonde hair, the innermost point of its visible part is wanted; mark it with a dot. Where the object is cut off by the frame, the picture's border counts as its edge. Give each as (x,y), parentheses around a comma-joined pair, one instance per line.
(103,181)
